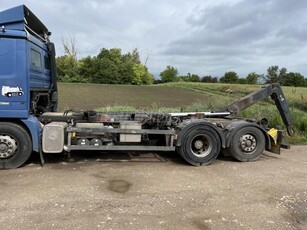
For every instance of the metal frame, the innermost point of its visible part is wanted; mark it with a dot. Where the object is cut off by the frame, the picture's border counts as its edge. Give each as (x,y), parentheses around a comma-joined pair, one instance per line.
(169,135)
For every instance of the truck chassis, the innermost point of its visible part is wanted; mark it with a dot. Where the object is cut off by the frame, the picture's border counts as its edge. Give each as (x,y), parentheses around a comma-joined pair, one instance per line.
(197,136)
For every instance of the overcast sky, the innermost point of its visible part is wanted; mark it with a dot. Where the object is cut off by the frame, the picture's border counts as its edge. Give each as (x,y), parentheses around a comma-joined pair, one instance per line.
(205,37)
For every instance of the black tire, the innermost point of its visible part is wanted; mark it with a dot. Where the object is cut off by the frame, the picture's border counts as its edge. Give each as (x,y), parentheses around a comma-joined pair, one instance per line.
(247,144)
(9,94)
(200,145)
(15,145)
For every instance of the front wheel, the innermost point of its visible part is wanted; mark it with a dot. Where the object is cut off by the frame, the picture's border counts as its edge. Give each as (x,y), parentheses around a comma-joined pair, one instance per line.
(15,145)
(200,145)
(247,144)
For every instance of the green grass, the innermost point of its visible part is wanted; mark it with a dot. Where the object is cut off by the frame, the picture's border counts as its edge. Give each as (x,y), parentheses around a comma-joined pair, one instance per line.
(143,98)
(183,97)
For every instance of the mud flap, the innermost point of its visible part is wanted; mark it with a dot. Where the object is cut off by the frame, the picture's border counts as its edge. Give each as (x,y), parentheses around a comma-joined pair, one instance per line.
(41,156)
(275,148)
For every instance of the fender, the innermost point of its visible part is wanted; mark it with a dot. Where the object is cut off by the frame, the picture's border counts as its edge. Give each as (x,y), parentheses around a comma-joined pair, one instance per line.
(190,124)
(35,129)
(232,128)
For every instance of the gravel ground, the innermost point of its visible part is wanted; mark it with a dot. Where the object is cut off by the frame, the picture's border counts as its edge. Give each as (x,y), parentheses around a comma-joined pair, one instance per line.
(156,191)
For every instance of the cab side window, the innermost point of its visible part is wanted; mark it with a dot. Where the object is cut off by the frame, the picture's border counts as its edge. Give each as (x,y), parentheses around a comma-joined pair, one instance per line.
(47,63)
(36,61)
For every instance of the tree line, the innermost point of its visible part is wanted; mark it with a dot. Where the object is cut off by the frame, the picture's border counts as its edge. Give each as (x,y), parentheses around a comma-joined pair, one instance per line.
(274,74)
(111,66)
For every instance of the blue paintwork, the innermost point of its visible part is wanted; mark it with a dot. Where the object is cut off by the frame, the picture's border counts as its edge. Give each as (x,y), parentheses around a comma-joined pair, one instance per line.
(14,72)
(39,77)
(18,17)
(16,69)
(13,18)
(35,130)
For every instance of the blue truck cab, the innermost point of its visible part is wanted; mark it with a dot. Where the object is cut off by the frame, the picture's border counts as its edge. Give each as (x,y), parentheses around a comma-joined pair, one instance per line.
(28,85)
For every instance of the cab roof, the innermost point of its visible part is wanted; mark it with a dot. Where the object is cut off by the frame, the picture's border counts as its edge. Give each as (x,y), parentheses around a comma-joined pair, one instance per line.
(22,19)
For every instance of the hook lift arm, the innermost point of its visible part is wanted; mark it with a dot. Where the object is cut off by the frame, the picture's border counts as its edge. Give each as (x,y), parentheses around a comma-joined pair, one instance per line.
(275,92)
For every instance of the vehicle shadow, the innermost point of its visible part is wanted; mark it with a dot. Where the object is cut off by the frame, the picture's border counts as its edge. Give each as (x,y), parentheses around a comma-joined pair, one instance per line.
(97,156)
(120,157)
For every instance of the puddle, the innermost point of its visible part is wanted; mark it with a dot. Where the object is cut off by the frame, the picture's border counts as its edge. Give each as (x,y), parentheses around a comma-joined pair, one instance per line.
(119,186)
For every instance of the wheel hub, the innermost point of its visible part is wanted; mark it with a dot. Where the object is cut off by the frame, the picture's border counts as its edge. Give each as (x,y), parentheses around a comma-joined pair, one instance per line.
(198,144)
(201,145)
(248,143)
(8,147)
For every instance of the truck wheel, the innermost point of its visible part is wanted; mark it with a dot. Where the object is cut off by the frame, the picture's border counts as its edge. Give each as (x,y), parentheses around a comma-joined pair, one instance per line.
(9,94)
(200,146)
(247,144)
(15,145)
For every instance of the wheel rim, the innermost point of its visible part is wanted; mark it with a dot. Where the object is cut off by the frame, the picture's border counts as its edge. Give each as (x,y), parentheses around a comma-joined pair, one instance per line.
(201,145)
(8,146)
(248,143)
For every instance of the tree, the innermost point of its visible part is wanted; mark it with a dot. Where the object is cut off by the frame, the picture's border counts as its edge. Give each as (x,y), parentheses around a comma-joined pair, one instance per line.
(68,69)
(141,75)
(242,81)
(135,56)
(169,74)
(209,79)
(110,66)
(86,69)
(229,77)
(293,79)
(274,74)
(106,67)
(70,47)
(126,69)
(67,65)
(189,78)
(193,78)
(252,78)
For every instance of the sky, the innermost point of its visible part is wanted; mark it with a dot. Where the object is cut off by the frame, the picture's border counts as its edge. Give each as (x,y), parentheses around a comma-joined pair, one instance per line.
(204,37)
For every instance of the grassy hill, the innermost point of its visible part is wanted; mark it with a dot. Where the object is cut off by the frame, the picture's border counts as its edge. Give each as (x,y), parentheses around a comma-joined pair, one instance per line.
(175,97)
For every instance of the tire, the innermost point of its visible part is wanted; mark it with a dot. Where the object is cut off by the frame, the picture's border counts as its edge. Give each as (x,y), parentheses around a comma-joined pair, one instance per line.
(9,94)
(247,144)
(15,145)
(200,145)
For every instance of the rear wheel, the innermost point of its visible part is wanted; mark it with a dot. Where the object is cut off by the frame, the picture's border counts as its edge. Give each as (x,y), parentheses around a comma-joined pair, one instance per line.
(15,145)
(247,144)
(200,145)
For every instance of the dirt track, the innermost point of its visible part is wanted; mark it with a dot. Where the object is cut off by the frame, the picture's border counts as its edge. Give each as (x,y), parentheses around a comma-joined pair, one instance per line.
(156,191)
